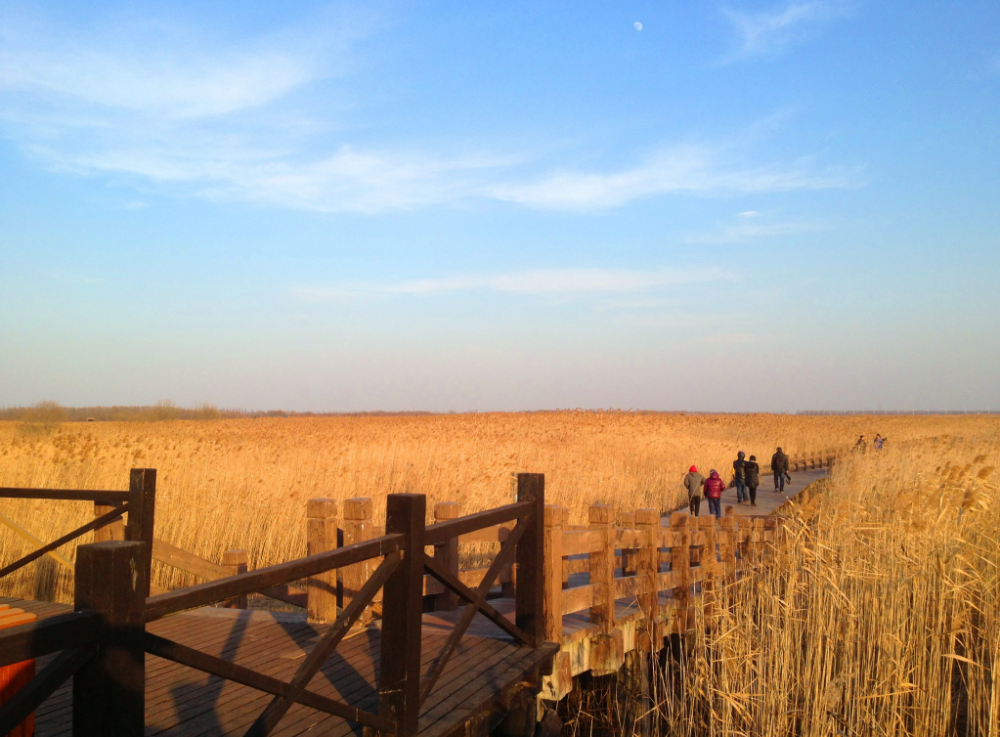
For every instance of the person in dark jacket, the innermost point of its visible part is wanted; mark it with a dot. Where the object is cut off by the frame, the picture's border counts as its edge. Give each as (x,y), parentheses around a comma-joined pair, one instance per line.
(779,464)
(714,486)
(739,477)
(752,471)
(693,483)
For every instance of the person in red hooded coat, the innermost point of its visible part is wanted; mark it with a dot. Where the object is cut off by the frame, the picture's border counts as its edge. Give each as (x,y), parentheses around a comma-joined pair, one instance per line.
(714,487)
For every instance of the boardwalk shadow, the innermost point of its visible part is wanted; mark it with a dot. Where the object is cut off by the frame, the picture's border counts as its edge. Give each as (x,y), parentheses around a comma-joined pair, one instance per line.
(198,703)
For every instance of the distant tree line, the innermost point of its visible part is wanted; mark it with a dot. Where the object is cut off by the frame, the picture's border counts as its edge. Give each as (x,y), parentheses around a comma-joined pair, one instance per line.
(50,412)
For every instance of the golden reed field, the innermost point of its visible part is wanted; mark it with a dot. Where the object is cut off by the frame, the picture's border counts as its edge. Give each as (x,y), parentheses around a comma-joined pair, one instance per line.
(243,483)
(881,615)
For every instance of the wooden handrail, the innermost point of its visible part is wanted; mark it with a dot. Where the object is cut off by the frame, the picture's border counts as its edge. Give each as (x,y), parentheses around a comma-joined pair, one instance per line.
(45,636)
(441,531)
(74,495)
(95,524)
(281,573)
(188,562)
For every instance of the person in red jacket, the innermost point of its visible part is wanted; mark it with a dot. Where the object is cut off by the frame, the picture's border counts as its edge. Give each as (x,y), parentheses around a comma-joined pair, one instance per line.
(714,486)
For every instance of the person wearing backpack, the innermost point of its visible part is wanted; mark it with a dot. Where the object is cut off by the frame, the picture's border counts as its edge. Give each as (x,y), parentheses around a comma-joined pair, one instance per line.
(713,492)
(752,471)
(693,483)
(740,477)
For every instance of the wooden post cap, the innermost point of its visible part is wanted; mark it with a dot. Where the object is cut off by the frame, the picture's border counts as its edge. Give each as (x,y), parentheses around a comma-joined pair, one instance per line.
(707,521)
(679,519)
(322,508)
(358,508)
(564,515)
(236,557)
(647,517)
(728,523)
(601,514)
(553,515)
(730,510)
(446,510)
(628,520)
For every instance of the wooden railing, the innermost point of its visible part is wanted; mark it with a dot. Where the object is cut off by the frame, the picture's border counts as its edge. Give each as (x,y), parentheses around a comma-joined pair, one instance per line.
(102,644)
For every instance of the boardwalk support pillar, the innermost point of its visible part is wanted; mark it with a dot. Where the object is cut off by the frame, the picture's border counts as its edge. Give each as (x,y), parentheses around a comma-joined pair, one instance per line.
(109,691)
(399,683)
(141,516)
(321,537)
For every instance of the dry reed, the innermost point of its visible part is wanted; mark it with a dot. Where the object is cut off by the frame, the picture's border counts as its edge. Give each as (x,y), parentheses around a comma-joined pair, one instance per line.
(880,616)
(243,483)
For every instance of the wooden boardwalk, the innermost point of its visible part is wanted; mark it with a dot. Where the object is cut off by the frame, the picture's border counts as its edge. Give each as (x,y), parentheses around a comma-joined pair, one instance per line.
(768,502)
(183,701)
(395,640)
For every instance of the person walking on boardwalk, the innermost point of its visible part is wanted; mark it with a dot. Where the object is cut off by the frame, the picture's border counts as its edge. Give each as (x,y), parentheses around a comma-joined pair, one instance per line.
(740,477)
(693,483)
(752,472)
(779,464)
(713,492)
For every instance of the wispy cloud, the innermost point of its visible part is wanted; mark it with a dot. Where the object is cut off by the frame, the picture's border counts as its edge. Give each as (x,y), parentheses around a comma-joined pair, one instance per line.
(692,169)
(163,106)
(745,231)
(770,31)
(542,282)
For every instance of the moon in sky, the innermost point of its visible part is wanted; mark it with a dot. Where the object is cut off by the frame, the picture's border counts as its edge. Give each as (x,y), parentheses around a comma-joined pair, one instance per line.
(637,25)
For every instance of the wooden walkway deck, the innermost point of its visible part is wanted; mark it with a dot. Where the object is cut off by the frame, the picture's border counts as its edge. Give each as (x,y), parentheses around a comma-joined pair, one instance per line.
(182,701)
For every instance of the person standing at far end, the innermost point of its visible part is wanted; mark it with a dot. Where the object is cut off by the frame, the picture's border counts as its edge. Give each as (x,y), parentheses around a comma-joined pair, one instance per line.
(713,492)
(693,483)
(752,471)
(740,477)
(779,464)
(877,443)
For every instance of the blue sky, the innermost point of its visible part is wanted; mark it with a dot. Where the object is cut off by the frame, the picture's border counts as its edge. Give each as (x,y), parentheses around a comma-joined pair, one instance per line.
(453,206)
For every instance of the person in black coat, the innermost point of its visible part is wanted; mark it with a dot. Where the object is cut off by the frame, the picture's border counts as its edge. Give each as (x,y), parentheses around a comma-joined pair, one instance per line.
(739,477)
(779,464)
(751,471)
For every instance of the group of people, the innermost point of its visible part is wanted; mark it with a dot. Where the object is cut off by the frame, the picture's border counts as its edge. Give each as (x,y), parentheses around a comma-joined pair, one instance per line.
(746,479)
(862,445)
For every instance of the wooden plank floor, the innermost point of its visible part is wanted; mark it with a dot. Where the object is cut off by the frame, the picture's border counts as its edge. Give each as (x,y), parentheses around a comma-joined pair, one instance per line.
(183,701)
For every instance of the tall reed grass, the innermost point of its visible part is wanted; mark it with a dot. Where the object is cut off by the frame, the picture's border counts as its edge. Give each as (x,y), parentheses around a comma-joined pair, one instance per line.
(243,483)
(880,616)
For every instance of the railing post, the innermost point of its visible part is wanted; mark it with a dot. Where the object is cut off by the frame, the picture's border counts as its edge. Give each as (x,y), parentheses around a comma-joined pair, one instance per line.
(235,561)
(112,531)
(358,527)
(109,691)
(680,564)
(727,545)
(629,555)
(648,521)
(710,568)
(563,522)
(141,516)
(446,554)
(553,573)
(602,567)
(399,682)
(756,541)
(321,537)
(529,600)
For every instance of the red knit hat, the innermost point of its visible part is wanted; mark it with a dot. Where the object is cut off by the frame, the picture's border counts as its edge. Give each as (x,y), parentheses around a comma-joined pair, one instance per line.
(693,469)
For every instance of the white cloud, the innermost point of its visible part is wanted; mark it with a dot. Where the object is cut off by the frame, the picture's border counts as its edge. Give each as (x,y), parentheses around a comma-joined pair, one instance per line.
(543,282)
(767,32)
(684,169)
(163,106)
(749,214)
